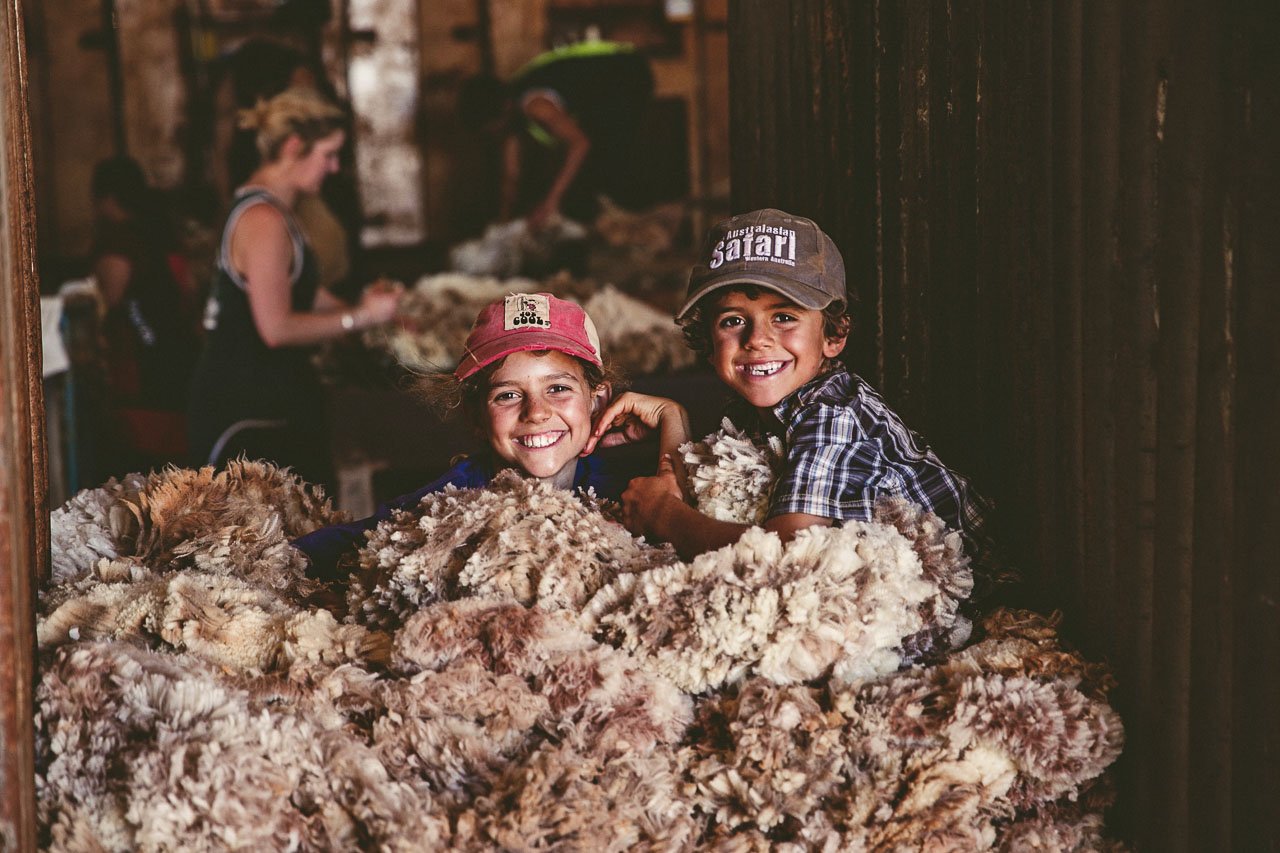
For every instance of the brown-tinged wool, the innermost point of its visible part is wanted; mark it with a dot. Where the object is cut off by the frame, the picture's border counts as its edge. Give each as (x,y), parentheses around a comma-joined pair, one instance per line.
(166,748)
(90,527)
(954,751)
(562,799)
(596,695)
(1020,642)
(1057,736)
(834,601)
(238,520)
(765,755)
(1062,830)
(518,539)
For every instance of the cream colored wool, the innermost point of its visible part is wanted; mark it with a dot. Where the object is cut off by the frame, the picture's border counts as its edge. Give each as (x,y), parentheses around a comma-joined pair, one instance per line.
(635,336)
(439,310)
(834,601)
(518,539)
(437,314)
(731,476)
(91,526)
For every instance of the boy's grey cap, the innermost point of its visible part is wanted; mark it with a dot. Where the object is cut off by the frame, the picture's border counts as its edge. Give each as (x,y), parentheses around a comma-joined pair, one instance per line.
(772,249)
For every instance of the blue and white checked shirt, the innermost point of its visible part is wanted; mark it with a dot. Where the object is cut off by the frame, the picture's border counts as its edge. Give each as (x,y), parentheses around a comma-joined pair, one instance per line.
(845,448)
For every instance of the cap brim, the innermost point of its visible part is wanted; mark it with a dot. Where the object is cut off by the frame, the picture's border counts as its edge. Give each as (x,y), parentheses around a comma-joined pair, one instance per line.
(530,341)
(799,293)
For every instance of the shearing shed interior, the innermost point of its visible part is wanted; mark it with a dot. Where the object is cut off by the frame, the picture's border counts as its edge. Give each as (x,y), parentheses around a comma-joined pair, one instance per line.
(639,425)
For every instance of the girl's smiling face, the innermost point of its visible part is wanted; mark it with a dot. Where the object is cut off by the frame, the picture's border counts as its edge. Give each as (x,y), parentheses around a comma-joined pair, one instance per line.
(538,410)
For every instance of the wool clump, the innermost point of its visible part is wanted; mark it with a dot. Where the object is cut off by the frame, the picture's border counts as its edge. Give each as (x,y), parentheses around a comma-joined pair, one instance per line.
(518,540)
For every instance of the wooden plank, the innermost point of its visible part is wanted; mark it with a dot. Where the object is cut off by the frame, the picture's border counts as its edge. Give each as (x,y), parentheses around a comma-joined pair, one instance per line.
(1181,275)
(1256,601)
(24,541)
(1145,28)
(1068,308)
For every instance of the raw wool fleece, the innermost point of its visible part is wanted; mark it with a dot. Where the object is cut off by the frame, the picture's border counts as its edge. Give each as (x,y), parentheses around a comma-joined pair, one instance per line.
(835,601)
(439,310)
(506,248)
(204,565)
(731,477)
(91,526)
(518,540)
(969,754)
(475,722)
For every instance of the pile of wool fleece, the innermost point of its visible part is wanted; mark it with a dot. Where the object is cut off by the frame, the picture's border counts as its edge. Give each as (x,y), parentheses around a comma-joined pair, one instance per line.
(509,247)
(328,736)
(518,539)
(477,711)
(997,747)
(436,315)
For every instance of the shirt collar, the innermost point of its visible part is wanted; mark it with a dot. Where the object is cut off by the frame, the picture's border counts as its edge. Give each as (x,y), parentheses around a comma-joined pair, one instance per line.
(786,408)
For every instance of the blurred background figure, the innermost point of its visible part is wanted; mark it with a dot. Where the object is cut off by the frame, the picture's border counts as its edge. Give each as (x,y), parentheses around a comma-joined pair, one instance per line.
(582,104)
(254,390)
(150,324)
(259,69)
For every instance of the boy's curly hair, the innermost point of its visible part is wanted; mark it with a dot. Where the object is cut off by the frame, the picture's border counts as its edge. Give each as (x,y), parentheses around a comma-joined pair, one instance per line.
(447,394)
(696,325)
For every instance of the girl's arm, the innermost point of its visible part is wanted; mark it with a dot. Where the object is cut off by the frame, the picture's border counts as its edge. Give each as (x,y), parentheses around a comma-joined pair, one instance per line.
(633,417)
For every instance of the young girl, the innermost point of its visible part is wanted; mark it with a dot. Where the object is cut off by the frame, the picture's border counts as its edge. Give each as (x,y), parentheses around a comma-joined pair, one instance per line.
(533,383)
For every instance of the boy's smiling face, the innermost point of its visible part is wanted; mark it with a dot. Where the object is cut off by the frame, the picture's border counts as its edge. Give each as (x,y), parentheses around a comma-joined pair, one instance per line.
(538,410)
(765,348)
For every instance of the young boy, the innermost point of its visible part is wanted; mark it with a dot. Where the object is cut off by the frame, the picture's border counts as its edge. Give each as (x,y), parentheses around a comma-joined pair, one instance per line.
(535,387)
(767,307)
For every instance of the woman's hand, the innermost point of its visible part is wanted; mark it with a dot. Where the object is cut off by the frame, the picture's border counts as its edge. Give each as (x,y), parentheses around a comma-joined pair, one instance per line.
(378,303)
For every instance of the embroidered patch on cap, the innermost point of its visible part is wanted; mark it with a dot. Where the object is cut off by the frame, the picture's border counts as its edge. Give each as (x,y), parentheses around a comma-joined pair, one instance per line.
(526,311)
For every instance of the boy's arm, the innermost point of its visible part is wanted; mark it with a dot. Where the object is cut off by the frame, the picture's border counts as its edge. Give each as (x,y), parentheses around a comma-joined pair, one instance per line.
(653,507)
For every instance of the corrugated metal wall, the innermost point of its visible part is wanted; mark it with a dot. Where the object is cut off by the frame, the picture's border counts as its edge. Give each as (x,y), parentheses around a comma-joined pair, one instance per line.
(1062,224)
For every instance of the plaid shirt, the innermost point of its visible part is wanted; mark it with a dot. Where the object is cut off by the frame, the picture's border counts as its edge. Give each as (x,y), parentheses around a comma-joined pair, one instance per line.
(845,448)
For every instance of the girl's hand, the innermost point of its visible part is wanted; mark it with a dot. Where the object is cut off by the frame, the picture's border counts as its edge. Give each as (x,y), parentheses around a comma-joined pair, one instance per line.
(630,417)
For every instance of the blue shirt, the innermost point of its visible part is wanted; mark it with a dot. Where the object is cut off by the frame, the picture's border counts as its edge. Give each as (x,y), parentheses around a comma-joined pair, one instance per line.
(845,448)
(606,474)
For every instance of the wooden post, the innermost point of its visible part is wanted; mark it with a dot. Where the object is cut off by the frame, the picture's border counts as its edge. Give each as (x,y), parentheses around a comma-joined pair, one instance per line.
(24,513)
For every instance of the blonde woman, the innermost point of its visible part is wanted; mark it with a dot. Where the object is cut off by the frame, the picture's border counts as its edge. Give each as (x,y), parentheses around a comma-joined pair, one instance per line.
(254,391)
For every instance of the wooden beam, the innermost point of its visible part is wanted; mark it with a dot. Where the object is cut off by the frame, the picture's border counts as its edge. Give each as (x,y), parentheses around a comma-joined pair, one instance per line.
(24,514)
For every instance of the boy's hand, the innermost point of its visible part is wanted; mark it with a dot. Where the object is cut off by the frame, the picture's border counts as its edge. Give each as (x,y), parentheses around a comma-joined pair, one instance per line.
(645,498)
(628,418)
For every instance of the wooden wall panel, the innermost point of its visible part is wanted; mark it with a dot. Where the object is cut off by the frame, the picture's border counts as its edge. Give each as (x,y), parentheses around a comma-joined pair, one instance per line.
(24,511)
(1059,222)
